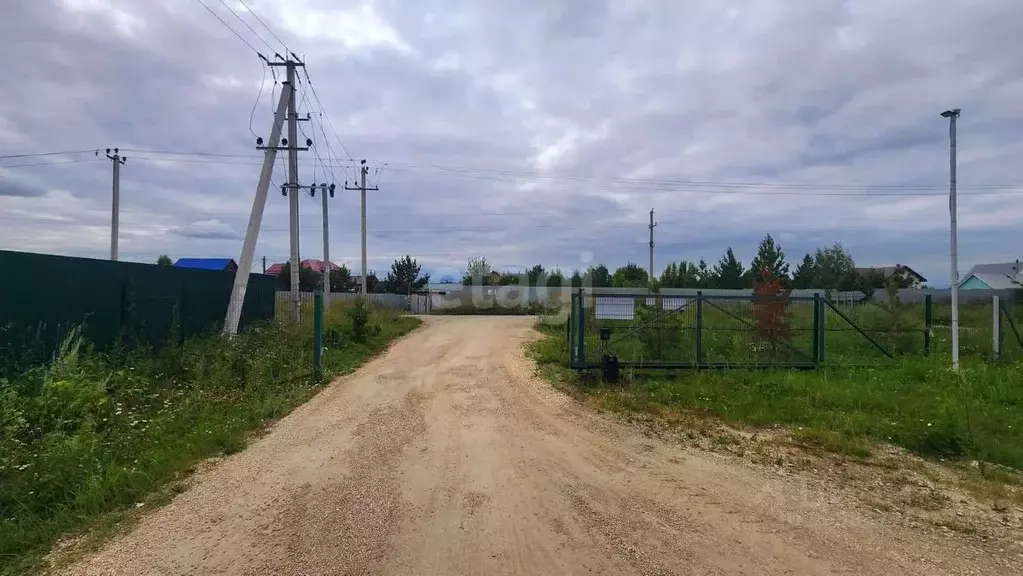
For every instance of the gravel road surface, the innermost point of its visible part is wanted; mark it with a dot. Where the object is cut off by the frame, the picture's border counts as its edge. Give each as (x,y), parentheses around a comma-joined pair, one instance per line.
(446,455)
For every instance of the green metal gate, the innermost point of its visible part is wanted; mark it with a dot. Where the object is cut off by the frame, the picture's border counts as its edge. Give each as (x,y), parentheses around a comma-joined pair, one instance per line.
(708,331)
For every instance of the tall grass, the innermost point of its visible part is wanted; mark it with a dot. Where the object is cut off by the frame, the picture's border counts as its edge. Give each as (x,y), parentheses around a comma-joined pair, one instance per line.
(89,433)
(915,402)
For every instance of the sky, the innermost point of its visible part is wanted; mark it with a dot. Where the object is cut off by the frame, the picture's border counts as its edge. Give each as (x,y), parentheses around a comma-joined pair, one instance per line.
(524,131)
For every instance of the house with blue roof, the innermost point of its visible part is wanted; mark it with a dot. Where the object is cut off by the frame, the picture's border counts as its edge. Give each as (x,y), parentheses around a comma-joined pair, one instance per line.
(226,264)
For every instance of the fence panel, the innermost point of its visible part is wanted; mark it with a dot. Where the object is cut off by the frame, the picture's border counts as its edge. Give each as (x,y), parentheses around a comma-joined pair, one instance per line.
(42,296)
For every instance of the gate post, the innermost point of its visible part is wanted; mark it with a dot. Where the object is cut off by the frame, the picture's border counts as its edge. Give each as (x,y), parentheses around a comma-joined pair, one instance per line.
(568,330)
(581,348)
(928,323)
(996,326)
(816,330)
(699,328)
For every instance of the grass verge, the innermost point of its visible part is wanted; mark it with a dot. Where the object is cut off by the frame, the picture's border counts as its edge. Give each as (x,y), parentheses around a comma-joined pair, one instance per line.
(918,403)
(92,434)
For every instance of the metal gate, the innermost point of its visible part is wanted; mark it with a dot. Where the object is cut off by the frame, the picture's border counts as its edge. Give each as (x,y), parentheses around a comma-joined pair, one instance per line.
(705,331)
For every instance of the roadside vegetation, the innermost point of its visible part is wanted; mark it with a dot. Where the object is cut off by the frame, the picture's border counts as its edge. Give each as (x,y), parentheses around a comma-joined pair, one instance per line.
(91,433)
(914,402)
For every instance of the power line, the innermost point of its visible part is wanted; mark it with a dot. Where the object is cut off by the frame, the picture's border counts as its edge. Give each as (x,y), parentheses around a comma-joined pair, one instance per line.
(323,114)
(260,20)
(649,184)
(256,103)
(708,188)
(228,26)
(246,24)
(49,163)
(36,154)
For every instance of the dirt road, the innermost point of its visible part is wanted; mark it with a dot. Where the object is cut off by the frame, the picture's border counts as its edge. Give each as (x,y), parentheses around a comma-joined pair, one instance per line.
(447,456)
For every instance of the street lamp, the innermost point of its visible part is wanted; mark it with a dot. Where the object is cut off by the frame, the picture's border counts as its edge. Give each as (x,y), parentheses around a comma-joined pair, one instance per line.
(952,115)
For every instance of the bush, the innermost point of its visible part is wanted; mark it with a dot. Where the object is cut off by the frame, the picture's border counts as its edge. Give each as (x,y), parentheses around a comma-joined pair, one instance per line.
(359,316)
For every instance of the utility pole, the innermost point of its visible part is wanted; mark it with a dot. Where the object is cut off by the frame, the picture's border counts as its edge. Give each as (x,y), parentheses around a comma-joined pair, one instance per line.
(363,170)
(325,190)
(264,264)
(115,210)
(652,225)
(952,115)
(285,105)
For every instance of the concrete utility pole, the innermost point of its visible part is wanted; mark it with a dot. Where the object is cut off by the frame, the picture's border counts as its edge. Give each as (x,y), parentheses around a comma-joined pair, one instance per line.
(952,115)
(284,105)
(296,261)
(652,225)
(115,210)
(363,170)
(325,190)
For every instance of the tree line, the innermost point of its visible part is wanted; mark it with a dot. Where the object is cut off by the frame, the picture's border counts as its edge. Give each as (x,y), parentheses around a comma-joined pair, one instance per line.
(827,268)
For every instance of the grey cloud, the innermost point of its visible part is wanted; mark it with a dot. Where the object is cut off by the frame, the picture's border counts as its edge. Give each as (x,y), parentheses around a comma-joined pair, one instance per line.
(213,229)
(478,93)
(10,186)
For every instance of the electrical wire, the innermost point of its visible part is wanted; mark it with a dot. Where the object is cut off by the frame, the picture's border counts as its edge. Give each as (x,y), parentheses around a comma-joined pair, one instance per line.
(312,87)
(246,24)
(667,185)
(256,103)
(36,154)
(58,162)
(228,26)
(260,20)
(676,186)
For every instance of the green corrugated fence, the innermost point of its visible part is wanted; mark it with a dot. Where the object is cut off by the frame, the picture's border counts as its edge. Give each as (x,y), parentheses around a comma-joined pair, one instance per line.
(42,296)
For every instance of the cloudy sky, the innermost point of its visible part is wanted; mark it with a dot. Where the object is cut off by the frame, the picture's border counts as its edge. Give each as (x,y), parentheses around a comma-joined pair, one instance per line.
(523,130)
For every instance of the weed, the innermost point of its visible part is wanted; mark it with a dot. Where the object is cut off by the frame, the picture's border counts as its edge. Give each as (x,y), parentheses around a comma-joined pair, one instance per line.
(831,441)
(90,433)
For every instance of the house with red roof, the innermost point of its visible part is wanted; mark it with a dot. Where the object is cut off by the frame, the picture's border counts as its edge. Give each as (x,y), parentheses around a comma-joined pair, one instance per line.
(309,264)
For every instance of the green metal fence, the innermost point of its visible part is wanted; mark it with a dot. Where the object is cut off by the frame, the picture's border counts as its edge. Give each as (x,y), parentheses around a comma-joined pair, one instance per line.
(739,331)
(42,296)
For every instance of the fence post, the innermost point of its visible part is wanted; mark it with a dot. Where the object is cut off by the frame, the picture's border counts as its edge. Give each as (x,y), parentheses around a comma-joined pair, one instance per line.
(568,330)
(928,323)
(823,330)
(699,328)
(581,348)
(996,327)
(318,336)
(816,330)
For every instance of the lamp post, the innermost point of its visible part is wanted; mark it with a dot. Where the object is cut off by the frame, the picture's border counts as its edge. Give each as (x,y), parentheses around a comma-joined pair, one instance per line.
(952,115)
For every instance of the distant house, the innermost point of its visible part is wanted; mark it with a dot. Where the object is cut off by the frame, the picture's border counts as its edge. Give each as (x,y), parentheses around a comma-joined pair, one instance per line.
(915,280)
(1003,276)
(226,264)
(309,264)
(318,265)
